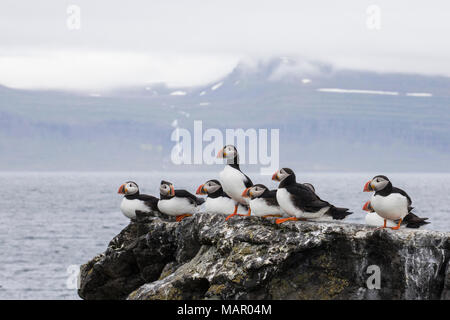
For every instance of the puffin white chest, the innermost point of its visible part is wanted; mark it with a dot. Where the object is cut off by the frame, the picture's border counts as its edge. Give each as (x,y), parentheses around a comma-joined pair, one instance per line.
(129,207)
(285,201)
(261,208)
(221,205)
(176,206)
(232,181)
(393,206)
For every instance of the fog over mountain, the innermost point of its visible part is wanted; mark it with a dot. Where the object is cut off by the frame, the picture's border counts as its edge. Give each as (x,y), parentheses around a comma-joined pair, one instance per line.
(329,120)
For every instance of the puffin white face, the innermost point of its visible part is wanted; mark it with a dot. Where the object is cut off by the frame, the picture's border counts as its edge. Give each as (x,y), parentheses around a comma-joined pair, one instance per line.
(282,174)
(209,187)
(376,184)
(228,152)
(128,188)
(255,191)
(166,189)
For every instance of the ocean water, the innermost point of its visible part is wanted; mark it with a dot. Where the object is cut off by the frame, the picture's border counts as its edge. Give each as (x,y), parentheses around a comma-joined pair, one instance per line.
(50,223)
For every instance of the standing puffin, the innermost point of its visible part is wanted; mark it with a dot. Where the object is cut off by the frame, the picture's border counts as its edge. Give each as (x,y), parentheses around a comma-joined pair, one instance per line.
(263,202)
(300,201)
(179,203)
(409,221)
(233,180)
(134,201)
(217,200)
(391,203)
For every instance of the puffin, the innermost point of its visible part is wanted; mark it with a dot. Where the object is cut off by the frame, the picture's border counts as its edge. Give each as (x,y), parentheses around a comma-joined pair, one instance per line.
(300,201)
(410,221)
(391,203)
(134,201)
(178,203)
(263,202)
(217,201)
(233,180)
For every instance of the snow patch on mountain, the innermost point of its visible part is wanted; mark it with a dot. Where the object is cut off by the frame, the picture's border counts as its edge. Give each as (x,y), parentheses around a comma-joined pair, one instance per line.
(419,94)
(216,86)
(338,90)
(178,93)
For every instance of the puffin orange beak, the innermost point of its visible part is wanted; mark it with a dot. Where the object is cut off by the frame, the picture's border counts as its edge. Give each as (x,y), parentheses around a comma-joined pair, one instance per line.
(275,176)
(172,190)
(122,189)
(200,190)
(368,187)
(246,193)
(367,207)
(221,154)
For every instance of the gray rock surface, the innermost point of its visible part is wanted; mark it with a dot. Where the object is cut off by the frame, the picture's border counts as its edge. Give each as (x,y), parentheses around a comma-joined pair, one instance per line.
(205,257)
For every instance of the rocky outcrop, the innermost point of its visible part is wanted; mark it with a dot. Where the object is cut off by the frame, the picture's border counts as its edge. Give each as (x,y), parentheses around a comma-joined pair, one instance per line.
(204,257)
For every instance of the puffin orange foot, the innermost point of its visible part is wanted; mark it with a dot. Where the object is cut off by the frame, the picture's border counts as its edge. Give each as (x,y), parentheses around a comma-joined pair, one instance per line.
(398,225)
(234,213)
(231,215)
(278,221)
(181,217)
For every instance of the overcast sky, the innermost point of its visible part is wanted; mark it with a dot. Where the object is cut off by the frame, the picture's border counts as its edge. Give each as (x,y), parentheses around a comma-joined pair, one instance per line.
(190,42)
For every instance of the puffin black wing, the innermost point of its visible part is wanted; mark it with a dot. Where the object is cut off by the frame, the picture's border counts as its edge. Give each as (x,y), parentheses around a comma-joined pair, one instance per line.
(190,196)
(224,194)
(150,201)
(270,197)
(338,213)
(309,185)
(305,199)
(413,221)
(248,183)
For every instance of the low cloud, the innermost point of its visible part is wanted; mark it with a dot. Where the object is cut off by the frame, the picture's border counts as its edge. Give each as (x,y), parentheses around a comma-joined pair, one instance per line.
(88,70)
(196,42)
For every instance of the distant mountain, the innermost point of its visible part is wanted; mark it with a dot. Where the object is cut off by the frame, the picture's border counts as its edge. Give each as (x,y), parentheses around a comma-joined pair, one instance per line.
(329,120)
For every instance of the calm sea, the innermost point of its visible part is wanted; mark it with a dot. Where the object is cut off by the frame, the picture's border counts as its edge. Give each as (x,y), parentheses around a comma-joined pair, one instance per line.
(50,223)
